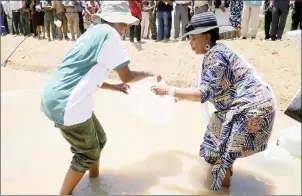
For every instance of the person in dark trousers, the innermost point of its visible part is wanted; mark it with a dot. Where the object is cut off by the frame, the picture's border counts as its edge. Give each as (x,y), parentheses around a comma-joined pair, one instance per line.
(267,18)
(136,7)
(164,19)
(24,16)
(15,7)
(280,11)
(80,8)
(6,23)
(170,20)
(296,15)
(152,20)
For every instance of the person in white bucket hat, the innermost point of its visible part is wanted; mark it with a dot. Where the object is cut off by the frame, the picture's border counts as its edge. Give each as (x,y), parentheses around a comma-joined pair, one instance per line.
(67,98)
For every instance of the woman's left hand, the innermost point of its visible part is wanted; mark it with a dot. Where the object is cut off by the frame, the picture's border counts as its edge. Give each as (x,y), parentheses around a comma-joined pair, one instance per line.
(159,90)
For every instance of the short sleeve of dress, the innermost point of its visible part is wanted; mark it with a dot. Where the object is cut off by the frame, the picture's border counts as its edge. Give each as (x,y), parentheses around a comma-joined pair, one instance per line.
(211,78)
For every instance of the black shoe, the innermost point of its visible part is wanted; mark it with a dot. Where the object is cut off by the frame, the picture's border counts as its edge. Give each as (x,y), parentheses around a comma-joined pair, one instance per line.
(267,37)
(243,37)
(132,40)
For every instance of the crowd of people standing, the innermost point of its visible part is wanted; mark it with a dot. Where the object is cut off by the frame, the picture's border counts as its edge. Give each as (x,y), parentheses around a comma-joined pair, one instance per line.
(239,13)
(56,18)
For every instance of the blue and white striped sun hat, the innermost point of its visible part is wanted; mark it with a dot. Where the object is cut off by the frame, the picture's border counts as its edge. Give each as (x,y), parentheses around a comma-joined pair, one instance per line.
(203,22)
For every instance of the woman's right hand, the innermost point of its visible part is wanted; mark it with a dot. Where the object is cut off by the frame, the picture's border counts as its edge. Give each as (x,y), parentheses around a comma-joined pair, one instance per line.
(159,90)
(222,8)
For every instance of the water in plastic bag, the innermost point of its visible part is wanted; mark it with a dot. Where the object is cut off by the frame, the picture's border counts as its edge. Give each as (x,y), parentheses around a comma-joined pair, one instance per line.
(290,139)
(149,107)
(274,159)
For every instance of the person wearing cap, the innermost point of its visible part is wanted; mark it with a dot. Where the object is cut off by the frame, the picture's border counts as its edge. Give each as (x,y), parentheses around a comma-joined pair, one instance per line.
(245,105)
(67,98)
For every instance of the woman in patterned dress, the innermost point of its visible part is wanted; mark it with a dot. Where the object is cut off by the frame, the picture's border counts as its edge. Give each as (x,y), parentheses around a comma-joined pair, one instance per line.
(245,105)
(91,7)
(236,8)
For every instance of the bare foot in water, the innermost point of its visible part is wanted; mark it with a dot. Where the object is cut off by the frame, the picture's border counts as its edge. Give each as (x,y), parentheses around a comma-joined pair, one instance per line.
(227,179)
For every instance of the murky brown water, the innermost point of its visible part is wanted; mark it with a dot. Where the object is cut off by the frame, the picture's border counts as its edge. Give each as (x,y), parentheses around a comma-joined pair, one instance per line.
(139,158)
(145,178)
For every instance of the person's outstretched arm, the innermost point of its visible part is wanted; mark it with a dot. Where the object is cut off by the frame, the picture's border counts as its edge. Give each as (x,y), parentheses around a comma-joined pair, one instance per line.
(113,56)
(115,87)
(126,75)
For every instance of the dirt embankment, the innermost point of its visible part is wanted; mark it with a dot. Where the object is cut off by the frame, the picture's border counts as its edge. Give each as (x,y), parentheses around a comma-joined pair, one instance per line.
(278,63)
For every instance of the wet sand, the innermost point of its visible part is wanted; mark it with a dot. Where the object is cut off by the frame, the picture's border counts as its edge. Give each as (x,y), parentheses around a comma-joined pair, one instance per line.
(139,158)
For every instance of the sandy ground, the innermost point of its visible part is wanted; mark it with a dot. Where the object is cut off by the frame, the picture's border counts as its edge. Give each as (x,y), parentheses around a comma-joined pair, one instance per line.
(139,158)
(278,63)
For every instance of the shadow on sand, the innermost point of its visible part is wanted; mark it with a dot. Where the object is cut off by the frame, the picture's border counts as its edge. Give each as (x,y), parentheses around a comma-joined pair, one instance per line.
(137,178)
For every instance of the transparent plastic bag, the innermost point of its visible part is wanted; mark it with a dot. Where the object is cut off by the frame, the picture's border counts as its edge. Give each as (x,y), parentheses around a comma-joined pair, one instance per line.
(274,159)
(290,139)
(149,107)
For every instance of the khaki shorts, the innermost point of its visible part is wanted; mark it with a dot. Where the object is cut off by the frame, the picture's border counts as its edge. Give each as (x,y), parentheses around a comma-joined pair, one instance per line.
(87,140)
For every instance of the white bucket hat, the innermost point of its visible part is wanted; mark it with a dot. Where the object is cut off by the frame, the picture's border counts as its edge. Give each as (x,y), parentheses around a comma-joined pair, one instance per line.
(115,12)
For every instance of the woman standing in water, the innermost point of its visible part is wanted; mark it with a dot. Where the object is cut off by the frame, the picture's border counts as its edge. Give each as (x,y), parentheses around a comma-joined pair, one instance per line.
(245,105)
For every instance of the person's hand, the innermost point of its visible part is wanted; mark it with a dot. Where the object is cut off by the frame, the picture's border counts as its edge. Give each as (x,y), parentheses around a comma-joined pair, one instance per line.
(123,87)
(222,8)
(158,78)
(291,6)
(159,90)
(192,13)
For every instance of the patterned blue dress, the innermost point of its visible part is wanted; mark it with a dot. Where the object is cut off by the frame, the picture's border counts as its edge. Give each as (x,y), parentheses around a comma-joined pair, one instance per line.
(235,14)
(245,106)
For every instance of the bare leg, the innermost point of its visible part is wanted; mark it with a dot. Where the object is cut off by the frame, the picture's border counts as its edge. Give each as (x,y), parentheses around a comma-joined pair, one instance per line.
(72,178)
(38,31)
(148,34)
(239,32)
(227,179)
(94,170)
(43,30)
(234,34)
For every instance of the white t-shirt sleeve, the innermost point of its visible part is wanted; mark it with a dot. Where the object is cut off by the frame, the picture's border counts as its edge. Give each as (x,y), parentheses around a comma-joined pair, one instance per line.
(112,54)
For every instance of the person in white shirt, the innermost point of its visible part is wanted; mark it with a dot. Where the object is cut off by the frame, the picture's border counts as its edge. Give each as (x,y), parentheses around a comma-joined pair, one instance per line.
(181,14)
(145,19)
(201,6)
(15,7)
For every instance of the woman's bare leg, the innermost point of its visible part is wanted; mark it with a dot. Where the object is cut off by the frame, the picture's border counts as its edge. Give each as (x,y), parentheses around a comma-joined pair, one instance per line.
(227,179)
(238,32)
